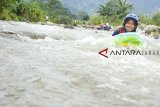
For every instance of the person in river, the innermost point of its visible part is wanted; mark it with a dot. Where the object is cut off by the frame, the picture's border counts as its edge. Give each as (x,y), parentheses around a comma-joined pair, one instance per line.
(47,18)
(107,27)
(75,22)
(101,26)
(129,25)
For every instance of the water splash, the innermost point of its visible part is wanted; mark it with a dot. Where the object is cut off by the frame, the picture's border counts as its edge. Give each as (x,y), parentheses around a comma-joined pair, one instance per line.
(52,66)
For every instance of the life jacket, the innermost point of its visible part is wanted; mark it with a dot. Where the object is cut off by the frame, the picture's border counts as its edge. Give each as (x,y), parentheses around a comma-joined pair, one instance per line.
(122,30)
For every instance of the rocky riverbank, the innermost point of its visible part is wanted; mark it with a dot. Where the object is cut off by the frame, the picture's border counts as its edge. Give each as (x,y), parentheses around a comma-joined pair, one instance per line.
(148,30)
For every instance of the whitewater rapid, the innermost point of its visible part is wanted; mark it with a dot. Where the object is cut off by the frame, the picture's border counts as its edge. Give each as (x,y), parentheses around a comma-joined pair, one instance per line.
(50,66)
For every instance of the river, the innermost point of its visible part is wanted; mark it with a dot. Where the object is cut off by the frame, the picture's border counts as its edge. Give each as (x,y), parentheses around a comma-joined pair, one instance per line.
(50,66)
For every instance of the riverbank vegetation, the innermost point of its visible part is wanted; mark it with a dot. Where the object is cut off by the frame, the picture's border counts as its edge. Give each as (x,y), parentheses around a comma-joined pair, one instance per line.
(112,12)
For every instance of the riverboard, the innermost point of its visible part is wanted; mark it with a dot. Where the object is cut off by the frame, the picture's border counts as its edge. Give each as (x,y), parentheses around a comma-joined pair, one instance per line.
(130,39)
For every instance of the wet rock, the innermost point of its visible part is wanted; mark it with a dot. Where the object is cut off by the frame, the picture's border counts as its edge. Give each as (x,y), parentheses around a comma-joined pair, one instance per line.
(159,30)
(16,36)
(34,35)
(69,27)
(147,32)
(7,32)
(156,36)
(142,26)
(151,29)
(10,35)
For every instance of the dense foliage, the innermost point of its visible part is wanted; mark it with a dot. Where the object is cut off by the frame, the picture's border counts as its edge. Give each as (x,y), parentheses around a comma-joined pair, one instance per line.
(34,10)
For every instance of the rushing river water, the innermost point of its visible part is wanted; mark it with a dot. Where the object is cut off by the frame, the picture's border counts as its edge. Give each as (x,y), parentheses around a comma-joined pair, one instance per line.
(49,66)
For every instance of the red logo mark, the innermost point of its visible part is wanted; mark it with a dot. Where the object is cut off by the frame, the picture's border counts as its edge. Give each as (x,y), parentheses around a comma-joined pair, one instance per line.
(104,52)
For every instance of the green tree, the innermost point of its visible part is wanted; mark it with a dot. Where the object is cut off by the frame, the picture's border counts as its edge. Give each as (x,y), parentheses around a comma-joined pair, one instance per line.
(34,10)
(29,10)
(57,13)
(7,8)
(146,19)
(156,18)
(1,1)
(96,19)
(115,7)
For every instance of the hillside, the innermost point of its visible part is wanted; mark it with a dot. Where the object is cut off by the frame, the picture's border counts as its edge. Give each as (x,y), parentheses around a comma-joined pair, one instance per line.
(91,6)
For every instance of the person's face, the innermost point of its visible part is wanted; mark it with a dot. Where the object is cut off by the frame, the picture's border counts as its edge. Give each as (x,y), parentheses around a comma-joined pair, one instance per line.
(129,26)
